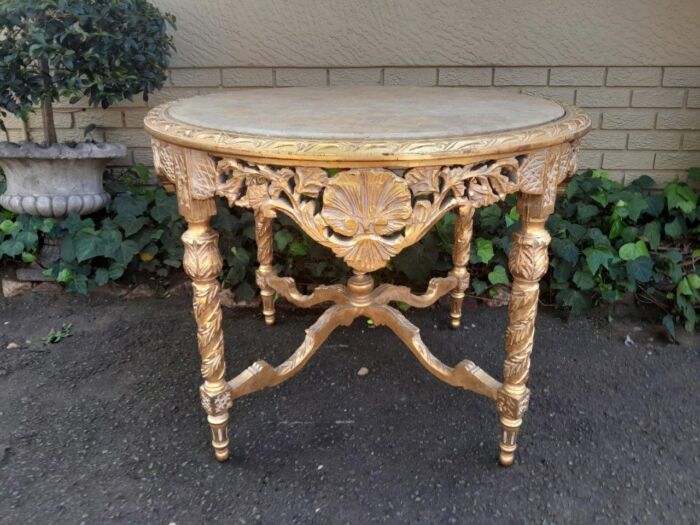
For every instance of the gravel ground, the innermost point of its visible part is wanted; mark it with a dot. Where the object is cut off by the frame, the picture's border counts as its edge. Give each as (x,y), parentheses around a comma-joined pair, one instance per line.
(105,425)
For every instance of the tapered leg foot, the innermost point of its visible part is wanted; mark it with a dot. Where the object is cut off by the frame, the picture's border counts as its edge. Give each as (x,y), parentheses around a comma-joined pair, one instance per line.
(267,296)
(219,432)
(456,310)
(508,444)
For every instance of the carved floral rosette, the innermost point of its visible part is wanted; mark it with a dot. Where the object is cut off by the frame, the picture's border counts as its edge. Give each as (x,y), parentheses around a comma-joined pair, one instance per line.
(364,215)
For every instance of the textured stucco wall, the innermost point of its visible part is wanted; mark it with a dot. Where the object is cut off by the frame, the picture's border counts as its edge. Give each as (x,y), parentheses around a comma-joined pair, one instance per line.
(634,65)
(435,32)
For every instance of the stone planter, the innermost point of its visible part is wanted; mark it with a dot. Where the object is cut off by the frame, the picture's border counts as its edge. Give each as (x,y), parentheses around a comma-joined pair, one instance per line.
(57,180)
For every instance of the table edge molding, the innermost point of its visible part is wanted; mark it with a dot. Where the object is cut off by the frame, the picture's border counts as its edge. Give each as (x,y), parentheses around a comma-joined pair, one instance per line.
(283,150)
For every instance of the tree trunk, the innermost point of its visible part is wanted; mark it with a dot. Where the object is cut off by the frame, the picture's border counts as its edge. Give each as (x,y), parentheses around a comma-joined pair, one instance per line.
(47,107)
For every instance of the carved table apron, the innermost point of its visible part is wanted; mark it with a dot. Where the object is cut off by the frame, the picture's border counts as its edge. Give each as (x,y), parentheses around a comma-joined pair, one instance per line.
(401,158)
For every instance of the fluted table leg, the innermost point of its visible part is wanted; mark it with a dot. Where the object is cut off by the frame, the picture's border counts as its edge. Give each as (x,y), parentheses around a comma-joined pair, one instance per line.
(528,263)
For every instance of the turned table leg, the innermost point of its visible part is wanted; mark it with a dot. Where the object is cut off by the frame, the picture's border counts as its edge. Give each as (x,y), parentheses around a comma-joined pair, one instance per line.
(202,262)
(263,238)
(528,263)
(460,259)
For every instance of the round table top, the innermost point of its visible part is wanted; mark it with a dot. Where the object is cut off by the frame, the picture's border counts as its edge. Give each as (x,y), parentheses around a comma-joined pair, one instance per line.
(365,123)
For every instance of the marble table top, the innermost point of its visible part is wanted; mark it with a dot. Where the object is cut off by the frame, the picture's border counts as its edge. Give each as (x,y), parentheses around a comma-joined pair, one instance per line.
(365,123)
(365,112)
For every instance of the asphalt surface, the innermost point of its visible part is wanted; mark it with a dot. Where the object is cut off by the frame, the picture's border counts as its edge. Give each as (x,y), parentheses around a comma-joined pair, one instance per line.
(105,426)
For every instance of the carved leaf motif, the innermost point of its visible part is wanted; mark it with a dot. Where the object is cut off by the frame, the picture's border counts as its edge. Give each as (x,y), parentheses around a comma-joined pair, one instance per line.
(310,181)
(531,173)
(480,192)
(366,201)
(528,258)
(423,180)
(454,179)
(202,174)
(231,189)
(421,216)
(512,407)
(279,181)
(256,193)
(168,162)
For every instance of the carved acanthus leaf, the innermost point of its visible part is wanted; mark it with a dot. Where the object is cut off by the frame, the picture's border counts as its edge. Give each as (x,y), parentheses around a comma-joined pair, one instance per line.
(310,181)
(424,180)
(168,161)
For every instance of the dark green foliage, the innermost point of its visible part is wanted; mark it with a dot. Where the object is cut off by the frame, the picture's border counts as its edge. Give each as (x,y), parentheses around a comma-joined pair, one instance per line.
(634,242)
(104,50)
(627,240)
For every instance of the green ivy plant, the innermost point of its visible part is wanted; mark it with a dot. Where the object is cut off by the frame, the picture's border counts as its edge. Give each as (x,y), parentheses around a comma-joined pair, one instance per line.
(609,240)
(103,50)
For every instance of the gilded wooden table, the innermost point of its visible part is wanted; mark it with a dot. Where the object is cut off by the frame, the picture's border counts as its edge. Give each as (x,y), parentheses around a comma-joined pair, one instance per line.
(365,172)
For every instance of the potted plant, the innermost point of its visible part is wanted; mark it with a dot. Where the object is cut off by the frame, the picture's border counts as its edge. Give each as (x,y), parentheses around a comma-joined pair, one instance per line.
(102,50)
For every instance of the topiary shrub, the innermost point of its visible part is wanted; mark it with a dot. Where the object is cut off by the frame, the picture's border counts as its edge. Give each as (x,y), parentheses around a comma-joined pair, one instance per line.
(103,50)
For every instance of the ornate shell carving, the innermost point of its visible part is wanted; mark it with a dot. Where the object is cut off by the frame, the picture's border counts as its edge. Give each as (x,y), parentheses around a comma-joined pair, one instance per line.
(362,202)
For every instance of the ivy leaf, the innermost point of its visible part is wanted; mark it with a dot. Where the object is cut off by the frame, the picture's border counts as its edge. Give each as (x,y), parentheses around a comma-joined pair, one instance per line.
(297,249)
(490,217)
(9,227)
(680,196)
(640,269)
(597,257)
(574,300)
(115,271)
(636,206)
(12,247)
(72,223)
(65,276)
(652,232)
(128,205)
(643,183)
(28,238)
(633,250)
(674,229)
(584,280)
(655,205)
(101,276)
(479,286)
(282,239)
(670,326)
(498,275)
(86,245)
(585,212)
(694,281)
(47,225)
(130,225)
(126,252)
(484,250)
(565,249)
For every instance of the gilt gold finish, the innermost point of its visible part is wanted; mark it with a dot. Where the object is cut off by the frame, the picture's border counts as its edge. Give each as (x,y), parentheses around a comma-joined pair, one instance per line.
(384,196)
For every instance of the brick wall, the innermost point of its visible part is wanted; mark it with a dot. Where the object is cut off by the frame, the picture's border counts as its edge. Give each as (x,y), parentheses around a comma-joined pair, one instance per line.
(646,120)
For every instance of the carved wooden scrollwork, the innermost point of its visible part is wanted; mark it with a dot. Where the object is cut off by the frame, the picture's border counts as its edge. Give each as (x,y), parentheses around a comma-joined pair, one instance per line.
(366,216)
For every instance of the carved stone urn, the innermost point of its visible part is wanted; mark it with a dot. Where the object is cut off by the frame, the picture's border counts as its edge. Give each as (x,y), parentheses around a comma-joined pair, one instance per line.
(58,180)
